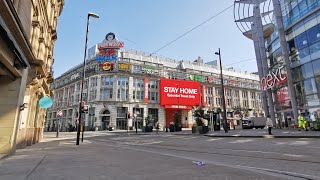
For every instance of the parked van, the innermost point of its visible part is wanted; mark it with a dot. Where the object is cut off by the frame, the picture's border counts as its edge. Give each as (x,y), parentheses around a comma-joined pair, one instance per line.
(254,122)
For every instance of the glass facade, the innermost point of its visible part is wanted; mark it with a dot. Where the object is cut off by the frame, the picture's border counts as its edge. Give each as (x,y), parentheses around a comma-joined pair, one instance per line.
(301,20)
(293,10)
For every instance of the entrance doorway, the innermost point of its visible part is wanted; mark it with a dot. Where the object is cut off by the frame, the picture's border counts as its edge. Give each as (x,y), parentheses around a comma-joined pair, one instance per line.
(105,121)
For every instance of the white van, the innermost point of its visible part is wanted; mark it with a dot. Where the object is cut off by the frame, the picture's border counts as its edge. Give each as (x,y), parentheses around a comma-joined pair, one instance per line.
(254,122)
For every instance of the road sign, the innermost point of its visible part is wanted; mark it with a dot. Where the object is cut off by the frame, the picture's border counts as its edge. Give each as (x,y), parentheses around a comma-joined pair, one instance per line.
(59,113)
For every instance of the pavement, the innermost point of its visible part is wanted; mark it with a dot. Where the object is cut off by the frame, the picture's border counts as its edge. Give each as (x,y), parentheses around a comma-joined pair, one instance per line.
(263,133)
(119,155)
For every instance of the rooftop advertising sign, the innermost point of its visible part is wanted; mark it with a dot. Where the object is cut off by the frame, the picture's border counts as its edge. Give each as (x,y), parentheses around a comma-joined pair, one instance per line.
(110,42)
(108,49)
(179,92)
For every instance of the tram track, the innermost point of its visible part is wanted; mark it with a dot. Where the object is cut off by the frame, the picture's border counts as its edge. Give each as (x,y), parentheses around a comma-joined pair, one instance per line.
(155,150)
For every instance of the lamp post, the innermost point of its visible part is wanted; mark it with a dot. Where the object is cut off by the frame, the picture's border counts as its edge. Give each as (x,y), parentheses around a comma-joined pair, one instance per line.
(83,75)
(178,112)
(224,114)
(135,116)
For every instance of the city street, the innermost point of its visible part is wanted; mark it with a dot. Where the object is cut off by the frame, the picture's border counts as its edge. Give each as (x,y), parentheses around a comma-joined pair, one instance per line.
(165,156)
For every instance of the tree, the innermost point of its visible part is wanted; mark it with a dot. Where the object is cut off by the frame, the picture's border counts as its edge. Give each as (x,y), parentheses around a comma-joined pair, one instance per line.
(243,112)
(200,115)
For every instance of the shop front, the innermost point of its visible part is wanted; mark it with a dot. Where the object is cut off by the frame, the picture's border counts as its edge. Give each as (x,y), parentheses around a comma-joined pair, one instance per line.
(178,97)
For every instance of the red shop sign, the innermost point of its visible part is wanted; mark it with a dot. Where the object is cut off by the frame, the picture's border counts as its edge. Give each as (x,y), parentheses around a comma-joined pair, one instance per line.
(274,78)
(179,92)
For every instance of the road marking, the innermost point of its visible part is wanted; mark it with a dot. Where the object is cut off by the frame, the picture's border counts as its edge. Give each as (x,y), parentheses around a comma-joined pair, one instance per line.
(270,172)
(73,142)
(192,137)
(294,155)
(214,139)
(242,141)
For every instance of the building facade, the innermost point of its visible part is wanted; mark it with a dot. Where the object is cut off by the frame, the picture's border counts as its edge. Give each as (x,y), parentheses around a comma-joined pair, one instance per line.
(145,85)
(301,21)
(28,31)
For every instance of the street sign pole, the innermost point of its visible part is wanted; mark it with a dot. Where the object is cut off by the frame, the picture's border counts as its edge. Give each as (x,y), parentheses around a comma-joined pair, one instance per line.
(59,114)
(58,127)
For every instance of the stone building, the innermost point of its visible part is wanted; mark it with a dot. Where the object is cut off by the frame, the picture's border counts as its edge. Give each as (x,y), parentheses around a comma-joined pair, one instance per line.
(117,90)
(28,31)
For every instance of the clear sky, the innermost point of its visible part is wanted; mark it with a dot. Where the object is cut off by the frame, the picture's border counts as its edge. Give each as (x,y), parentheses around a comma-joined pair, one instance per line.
(147,25)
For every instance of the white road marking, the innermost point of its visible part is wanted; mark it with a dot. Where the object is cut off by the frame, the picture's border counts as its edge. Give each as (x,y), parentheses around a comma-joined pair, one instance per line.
(242,141)
(214,139)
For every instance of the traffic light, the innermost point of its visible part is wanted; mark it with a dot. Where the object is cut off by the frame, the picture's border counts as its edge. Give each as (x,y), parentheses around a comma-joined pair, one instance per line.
(84,108)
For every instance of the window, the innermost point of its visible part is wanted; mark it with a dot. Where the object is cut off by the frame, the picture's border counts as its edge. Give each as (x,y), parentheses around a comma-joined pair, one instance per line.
(301,41)
(121,112)
(153,113)
(123,81)
(218,100)
(317,79)
(218,92)
(310,86)
(307,70)
(210,90)
(304,55)
(253,95)
(228,92)
(138,95)
(107,81)
(244,94)
(316,67)
(122,94)
(106,94)
(313,34)
(312,100)
(315,50)
(236,93)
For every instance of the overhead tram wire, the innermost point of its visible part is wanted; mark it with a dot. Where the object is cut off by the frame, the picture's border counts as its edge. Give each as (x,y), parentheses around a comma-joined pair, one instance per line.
(204,22)
(240,62)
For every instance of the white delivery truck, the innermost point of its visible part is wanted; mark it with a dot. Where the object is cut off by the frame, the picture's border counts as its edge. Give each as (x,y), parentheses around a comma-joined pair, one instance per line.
(254,122)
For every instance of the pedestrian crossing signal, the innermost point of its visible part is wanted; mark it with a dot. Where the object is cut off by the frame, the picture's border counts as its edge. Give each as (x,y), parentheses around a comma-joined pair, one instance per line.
(84,108)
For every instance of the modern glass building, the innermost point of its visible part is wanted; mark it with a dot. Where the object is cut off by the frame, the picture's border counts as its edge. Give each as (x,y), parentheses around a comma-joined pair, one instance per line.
(301,20)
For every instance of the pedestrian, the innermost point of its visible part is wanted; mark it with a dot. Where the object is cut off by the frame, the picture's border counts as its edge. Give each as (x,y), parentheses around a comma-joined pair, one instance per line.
(269,124)
(302,123)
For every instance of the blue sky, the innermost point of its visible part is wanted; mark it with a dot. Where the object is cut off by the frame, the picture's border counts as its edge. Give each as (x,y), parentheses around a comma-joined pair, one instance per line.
(147,25)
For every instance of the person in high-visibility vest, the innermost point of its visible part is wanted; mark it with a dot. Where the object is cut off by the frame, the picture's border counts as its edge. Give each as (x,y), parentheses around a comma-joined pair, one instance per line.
(302,123)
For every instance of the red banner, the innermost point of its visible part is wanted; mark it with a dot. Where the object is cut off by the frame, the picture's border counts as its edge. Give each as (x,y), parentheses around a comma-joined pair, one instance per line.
(146,88)
(204,103)
(179,93)
(283,97)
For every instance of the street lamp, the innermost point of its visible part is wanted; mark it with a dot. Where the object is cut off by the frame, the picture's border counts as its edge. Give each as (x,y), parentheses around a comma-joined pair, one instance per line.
(135,116)
(83,75)
(178,112)
(224,114)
